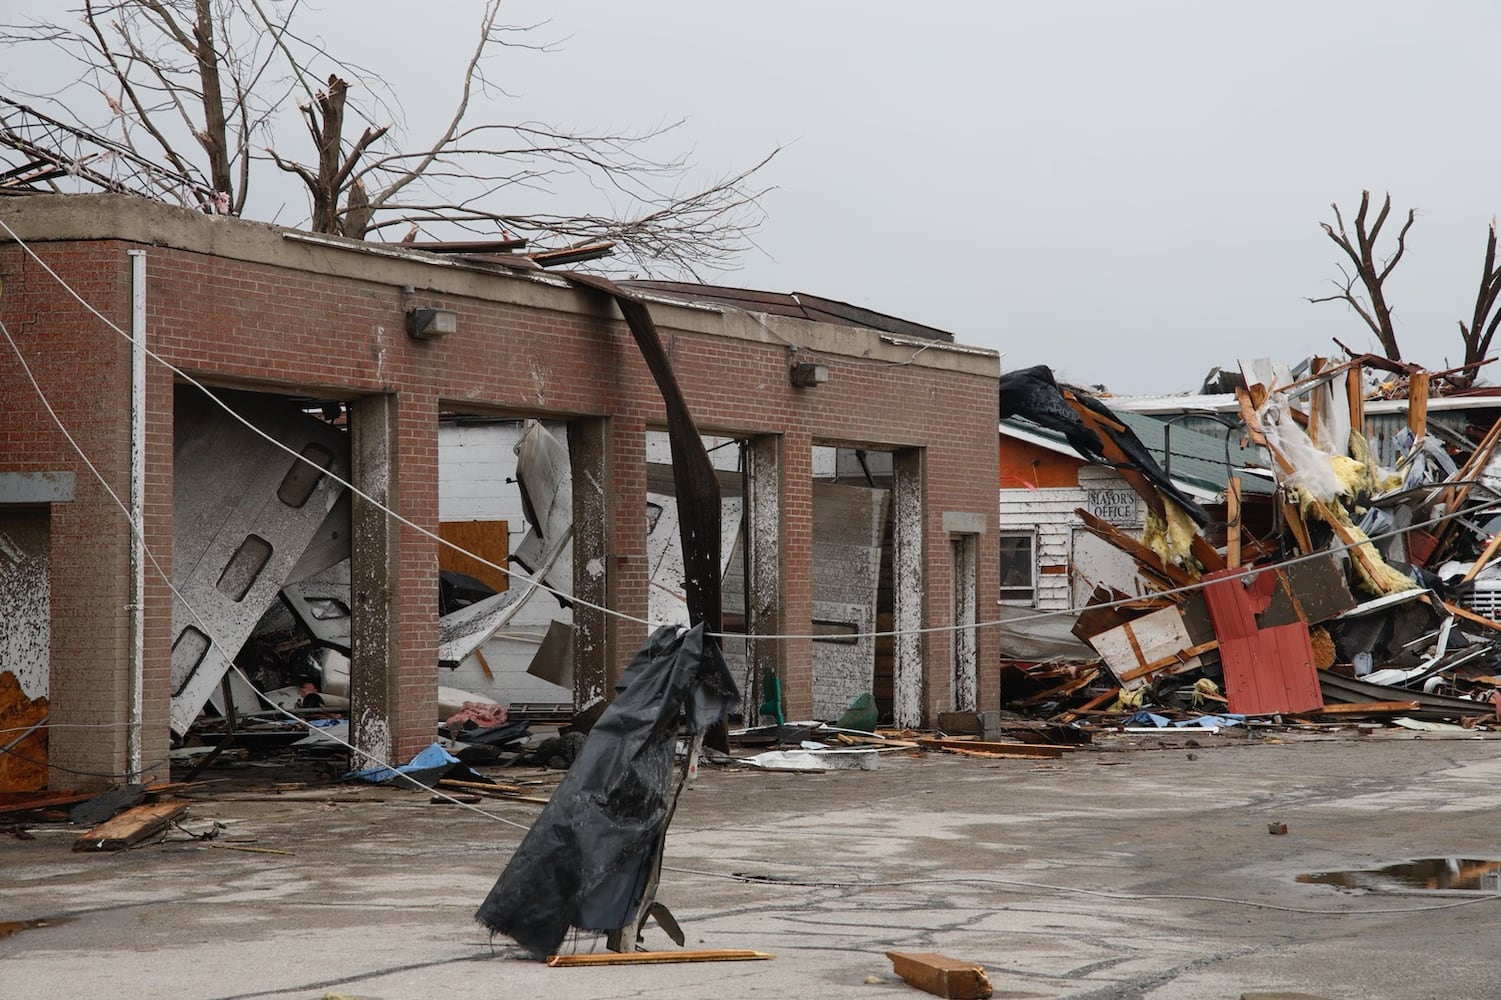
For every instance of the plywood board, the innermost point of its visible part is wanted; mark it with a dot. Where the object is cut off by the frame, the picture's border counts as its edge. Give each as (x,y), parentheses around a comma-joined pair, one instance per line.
(490,540)
(1149,639)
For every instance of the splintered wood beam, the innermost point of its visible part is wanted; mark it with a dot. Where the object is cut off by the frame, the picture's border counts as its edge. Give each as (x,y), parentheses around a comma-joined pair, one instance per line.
(657,957)
(1417,403)
(940,975)
(1472,617)
(1454,497)
(130,827)
(1367,708)
(1062,690)
(1173,576)
(1100,425)
(1355,395)
(1180,657)
(1094,703)
(1047,750)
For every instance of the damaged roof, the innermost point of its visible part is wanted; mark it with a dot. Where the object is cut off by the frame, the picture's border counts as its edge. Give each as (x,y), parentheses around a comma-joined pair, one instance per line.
(1198,461)
(799,305)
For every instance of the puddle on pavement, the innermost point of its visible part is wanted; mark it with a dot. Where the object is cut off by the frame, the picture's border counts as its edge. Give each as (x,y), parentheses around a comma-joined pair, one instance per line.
(1425,874)
(9,927)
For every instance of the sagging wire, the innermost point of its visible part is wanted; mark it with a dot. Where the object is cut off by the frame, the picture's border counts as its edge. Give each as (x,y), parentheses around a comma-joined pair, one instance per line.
(624,616)
(190,380)
(1066,889)
(356,753)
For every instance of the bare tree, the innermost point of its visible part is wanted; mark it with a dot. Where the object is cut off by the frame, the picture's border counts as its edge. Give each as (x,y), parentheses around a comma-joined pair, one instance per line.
(200,86)
(1478,332)
(1370,272)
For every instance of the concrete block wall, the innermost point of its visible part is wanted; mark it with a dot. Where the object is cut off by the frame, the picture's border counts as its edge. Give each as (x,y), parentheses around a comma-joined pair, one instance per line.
(252,306)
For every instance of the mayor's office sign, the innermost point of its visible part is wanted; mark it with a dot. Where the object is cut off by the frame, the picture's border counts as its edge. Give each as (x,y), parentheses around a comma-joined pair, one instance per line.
(1121,506)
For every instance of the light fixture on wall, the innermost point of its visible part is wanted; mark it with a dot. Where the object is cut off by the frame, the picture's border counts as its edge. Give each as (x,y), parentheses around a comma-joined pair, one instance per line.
(807,374)
(425,323)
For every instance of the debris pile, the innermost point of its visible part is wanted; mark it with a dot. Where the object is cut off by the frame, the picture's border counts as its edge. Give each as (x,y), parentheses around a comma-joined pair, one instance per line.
(1364,586)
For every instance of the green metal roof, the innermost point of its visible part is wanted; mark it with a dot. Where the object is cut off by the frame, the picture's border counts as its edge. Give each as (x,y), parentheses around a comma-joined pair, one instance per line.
(1198,460)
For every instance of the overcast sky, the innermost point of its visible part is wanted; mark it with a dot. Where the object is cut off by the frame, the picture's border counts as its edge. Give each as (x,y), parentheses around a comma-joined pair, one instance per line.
(1129,192)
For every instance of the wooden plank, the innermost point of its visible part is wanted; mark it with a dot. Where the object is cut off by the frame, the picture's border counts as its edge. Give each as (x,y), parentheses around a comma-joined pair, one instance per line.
(1472,617)
(1144,556)
(658,957)
(1370,708)
(940,975)
(490,540)
(130,827)
(1232,522)
(874,741)
(1016,749)
(1090,705)
(1417,403)
(1061,691)
(480,786)
(1175,659)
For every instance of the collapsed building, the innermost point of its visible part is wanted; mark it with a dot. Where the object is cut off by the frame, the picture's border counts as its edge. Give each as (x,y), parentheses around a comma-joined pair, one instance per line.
(334,361)
(1340,563)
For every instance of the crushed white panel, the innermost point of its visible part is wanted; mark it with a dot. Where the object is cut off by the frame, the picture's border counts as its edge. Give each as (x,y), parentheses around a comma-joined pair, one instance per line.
(1098,563)
(667,600)
(320,604)
(244,512)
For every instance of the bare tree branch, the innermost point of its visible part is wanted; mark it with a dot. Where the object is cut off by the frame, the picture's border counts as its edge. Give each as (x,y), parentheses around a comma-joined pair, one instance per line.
(226,74)
(1370,273)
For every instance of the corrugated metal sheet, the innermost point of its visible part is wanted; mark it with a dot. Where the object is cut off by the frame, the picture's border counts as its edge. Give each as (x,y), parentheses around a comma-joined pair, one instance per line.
(1267,670)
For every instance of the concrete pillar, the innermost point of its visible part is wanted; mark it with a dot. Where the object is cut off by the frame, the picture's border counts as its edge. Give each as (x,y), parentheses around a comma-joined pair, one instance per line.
(909,595)
(765,606)
(589,452)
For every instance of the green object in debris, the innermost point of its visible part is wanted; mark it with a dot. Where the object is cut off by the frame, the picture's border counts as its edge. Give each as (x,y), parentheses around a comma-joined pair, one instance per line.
(771,693)
(860,715)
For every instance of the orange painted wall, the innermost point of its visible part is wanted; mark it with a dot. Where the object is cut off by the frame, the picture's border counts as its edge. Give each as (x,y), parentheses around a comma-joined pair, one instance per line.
(1025,465)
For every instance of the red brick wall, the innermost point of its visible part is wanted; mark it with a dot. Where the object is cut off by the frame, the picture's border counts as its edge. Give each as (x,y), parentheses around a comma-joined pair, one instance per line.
(292,331)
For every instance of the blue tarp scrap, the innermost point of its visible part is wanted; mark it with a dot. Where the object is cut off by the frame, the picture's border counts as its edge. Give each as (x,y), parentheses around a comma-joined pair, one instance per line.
(427,767)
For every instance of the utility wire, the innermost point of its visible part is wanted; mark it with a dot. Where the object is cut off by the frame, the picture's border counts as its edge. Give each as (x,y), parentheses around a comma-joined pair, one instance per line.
(399,518)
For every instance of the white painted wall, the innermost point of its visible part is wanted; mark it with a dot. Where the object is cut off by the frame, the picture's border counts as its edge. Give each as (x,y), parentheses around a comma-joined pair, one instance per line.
(1050,512)
(474,462)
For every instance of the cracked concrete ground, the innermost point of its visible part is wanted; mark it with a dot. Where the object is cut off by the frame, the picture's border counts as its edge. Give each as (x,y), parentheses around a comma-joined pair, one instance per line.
(1141,867)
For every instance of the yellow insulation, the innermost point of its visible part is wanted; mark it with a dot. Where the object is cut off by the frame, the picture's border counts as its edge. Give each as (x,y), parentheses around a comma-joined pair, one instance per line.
(1171,540)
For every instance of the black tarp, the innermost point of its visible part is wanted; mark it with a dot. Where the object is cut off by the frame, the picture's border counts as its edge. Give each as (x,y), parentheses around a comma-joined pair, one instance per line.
(585,861)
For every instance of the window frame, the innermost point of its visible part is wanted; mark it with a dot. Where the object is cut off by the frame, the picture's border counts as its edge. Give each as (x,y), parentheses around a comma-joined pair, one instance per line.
(1013,595)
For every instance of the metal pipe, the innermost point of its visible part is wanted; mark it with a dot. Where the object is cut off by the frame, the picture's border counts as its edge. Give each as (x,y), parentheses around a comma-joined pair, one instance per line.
(133,733)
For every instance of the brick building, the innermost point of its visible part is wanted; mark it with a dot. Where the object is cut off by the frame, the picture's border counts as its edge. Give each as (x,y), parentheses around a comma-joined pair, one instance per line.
(246,306)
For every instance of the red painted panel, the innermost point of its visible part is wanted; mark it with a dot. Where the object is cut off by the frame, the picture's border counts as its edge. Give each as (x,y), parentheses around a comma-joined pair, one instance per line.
(1267,670)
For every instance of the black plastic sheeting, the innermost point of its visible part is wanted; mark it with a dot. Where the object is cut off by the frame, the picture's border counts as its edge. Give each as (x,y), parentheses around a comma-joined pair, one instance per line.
(586,860)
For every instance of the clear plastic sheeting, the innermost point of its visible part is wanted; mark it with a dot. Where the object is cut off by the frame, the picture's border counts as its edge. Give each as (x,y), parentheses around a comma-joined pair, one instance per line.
(1313,468)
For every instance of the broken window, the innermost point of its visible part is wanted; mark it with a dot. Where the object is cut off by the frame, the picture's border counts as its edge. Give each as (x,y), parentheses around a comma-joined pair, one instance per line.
(1018,567)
